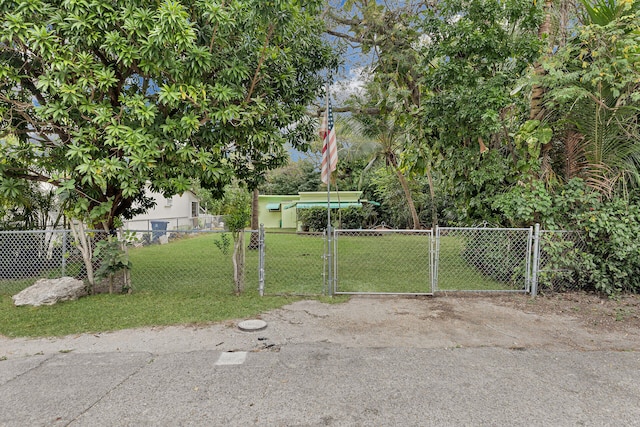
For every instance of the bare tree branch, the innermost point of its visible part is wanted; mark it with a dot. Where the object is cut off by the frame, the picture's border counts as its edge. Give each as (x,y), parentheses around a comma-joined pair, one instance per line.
(355,110)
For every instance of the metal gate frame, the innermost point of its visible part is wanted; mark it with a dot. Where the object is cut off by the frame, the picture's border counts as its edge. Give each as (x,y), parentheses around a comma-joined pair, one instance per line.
(333,273)
(529,247)
(531,251)
(332,261)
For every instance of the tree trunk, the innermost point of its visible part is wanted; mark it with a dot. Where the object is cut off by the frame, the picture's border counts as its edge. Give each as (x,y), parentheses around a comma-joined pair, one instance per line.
(407,193)
(238,263)
(254,242)
(536,110)
(83,243)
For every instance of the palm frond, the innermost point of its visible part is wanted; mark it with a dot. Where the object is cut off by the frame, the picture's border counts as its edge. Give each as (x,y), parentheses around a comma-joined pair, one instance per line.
(603,12)
(604,147)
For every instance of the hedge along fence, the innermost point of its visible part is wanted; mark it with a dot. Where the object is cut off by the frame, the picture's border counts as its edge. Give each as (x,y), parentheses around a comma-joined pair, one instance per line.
(560,256)
(315,219)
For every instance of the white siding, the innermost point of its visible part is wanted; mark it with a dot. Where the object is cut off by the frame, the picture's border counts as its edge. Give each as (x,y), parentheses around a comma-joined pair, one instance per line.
(176,211)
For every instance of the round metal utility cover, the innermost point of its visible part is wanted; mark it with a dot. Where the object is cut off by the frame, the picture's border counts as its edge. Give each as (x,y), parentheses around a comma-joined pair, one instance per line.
(252,325)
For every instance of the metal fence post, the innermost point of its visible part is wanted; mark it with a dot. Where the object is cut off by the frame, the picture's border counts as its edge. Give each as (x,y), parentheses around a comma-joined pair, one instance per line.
(335,261)
(63,261)
(261,260)
(528,261)
(330,283)
(325,279)
(536,260)
(436,260)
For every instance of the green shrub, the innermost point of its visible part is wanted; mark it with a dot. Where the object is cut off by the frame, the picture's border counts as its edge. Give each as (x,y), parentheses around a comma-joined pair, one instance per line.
(355,218)
(611,231)
(499,255)
(313,219)
(556,208)
(562,253)
(351,218)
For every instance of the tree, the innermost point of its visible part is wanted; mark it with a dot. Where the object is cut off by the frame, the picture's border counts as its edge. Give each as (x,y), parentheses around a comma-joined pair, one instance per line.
(237,214)
(443,73)
(390,34)
(536,109)
(592,85)
(101,99)
(30,206)
(389,142)
(298,176)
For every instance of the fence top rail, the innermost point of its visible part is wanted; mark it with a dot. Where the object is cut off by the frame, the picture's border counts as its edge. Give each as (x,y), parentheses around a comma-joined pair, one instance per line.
(123,230)
(373,230)
(294,233)
(486,228)
(33,231)
(193,231)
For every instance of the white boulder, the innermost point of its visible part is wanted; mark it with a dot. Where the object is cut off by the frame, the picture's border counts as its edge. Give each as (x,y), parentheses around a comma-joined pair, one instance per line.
(51,291)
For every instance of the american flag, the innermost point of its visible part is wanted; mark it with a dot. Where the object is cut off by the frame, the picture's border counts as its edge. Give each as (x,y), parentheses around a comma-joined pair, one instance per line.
(329,145)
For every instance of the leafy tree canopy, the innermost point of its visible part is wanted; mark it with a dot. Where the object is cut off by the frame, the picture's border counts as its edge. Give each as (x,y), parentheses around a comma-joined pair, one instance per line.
(292,178)
(473,54)
(593,91)
(101,98)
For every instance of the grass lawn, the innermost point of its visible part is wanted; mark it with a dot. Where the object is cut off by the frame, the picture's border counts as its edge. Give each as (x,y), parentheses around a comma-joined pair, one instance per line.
(190,281)
(390,262)
(456,274)
(294,263)
(187,281)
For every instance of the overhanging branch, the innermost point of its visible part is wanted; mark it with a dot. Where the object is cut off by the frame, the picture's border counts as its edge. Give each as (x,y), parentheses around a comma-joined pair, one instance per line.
(355,110)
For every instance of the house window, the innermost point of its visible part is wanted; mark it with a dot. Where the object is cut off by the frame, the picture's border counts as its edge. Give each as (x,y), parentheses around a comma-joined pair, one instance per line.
(194,209)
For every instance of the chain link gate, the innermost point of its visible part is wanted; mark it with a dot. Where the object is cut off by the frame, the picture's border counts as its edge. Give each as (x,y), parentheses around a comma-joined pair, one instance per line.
(371,262)
(292,263)
(483,259)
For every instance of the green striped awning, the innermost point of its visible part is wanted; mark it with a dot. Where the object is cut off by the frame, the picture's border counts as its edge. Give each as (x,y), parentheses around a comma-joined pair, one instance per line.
(334,205)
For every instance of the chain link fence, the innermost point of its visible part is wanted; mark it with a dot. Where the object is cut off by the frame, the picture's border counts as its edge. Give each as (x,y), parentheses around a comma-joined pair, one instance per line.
(558,255)
(293,263)
(202,222)
(384,261)
(199,261)
(165,261)
(26,256)
(483,259)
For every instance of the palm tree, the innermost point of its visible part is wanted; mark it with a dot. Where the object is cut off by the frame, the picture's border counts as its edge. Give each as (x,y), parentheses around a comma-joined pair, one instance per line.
(379,139)
(602,133)
(602,144)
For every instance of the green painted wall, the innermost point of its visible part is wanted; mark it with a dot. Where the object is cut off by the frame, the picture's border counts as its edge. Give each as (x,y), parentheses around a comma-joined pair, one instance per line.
(287,218)
(284,218)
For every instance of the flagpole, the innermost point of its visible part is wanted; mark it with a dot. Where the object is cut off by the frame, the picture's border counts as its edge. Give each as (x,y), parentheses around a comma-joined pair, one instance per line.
(329,232)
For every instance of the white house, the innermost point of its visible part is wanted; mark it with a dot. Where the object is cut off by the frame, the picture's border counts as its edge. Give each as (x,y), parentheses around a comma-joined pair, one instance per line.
(180,212)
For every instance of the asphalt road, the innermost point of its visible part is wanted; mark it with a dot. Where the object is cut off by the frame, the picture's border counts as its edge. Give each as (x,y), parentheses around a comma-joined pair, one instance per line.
(368,362)
(321,384)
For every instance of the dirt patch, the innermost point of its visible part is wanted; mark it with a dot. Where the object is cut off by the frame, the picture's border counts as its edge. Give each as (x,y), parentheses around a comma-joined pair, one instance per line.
(595,312)
(576,321)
